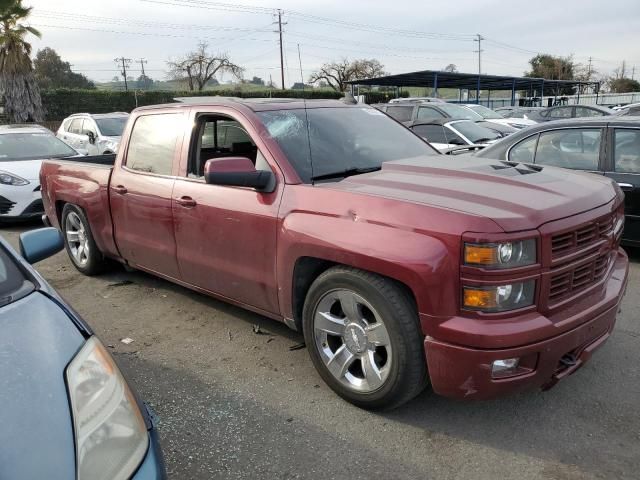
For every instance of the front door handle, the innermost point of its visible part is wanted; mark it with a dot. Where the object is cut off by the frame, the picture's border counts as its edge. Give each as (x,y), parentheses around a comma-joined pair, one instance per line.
(186,202)
(625,185)
(120,189)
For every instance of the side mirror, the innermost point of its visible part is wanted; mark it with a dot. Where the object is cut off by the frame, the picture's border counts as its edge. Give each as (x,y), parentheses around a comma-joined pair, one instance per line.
(238,172)
(92,137)
(39,244)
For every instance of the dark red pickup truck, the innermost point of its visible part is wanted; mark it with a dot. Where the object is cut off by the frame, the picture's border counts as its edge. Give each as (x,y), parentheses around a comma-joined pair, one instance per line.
(400,266)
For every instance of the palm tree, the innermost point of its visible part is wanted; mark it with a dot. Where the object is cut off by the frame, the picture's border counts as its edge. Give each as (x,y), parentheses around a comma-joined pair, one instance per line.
(18,85)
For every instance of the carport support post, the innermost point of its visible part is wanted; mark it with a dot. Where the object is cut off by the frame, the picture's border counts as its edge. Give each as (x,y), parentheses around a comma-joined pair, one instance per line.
(435,84)
(542,93)
(513,93)
(578,99)
(478,91)
(489,99)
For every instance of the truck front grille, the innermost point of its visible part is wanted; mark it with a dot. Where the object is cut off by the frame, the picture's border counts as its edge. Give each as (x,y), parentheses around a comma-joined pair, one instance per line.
(582,237)
(569,282)
(5,205)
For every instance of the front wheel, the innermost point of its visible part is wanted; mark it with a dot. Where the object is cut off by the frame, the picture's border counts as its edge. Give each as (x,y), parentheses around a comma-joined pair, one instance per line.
(363,336)
(79,242)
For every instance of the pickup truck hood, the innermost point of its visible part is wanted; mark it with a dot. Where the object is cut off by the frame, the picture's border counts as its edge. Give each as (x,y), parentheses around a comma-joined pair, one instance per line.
(37,341)
(515,196)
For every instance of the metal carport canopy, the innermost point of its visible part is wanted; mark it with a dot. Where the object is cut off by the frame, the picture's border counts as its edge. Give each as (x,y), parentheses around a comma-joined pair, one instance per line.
(438,79)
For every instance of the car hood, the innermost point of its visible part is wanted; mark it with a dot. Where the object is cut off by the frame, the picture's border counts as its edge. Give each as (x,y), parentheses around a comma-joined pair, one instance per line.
(27,169)
(509,121)
(515,196)
(37,341)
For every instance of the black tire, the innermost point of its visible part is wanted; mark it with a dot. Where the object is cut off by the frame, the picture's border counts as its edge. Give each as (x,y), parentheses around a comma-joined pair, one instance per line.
(407,374)
(96,262)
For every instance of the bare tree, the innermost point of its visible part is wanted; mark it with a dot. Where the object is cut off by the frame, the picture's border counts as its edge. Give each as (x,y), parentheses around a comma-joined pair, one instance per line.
(337,74)
(199,67)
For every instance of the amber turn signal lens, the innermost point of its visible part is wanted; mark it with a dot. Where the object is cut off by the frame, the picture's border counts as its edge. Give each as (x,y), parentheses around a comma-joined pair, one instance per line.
(480,254)
(479,299)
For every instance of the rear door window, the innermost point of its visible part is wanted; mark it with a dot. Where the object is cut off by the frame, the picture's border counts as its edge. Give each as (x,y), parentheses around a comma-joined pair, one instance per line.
(588,112)
(153,143)
(433,133)
(400,113)
(426,113)
(626,150)
(575,148)
(76,126)
(561,112)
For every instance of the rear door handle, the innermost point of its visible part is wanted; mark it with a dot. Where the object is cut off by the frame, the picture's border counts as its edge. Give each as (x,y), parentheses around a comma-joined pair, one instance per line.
(186,202)
(119,189)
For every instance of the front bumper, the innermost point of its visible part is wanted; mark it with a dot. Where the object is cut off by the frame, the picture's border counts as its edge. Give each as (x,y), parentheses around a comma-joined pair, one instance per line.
(21,202)
(463,372)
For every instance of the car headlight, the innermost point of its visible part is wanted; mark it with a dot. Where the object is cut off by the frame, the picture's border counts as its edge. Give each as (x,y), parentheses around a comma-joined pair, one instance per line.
(501,255)
(499,298)
(7,178)
(111,436)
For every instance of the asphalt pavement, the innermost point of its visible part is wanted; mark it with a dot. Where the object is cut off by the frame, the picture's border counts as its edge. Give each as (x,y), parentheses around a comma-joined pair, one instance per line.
(233,403)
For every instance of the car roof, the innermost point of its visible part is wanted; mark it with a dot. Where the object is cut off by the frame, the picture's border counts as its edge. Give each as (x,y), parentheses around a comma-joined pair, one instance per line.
(100,115)
(255,104)
(23,128)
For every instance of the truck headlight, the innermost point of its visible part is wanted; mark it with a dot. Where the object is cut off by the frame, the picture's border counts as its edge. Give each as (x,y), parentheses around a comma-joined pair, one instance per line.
(501,255)
(499,298)
(7,178)
(111,436)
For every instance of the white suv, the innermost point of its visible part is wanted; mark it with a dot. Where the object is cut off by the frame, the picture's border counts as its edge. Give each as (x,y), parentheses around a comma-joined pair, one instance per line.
(93,134)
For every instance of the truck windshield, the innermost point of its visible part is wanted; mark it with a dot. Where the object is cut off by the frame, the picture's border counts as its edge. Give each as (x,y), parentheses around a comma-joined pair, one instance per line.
(326,141)
(111,127)
(32,146)
(456,112)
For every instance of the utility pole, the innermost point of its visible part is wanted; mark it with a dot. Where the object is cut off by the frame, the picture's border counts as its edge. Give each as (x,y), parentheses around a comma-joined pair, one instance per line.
(589,70)
(479,52)
(281,52)
(142,61)
(124,63)
(633,72)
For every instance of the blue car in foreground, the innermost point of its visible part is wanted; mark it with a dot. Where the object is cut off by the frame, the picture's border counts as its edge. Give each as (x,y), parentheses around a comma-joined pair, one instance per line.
(66,411)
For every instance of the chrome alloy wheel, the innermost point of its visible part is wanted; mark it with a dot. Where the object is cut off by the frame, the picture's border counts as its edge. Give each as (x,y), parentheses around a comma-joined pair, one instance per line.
(352,340)
(77,239)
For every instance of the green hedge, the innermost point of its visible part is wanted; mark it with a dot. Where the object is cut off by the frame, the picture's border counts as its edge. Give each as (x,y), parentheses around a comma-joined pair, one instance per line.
(61,103)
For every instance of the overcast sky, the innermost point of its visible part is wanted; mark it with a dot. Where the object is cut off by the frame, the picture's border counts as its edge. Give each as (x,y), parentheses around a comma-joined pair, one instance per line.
(405,35)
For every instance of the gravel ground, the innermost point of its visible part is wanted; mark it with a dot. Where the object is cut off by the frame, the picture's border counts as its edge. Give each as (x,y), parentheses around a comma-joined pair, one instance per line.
(235,404)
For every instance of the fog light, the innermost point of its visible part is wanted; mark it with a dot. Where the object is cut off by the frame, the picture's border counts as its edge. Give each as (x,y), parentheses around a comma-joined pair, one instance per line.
(504,368)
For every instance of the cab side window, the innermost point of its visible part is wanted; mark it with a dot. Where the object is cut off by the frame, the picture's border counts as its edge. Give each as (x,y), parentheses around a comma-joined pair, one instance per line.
(153,143)
(626,150)
(75,126)
(560,112)
(428,113)
(400,113)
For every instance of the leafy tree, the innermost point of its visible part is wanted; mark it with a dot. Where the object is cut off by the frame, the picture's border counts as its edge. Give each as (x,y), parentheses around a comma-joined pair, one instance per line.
(257,81)
(144,82)
(337,74)
(553,68)
(200,66)
(623,85)
(22,101)
(52,72)
(451,68)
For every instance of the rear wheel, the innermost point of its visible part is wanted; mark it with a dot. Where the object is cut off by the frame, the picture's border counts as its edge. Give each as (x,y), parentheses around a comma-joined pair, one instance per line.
(79,242)
(363,337)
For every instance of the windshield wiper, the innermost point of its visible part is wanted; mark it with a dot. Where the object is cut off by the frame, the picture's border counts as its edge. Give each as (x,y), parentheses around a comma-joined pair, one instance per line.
(482,140)
(345,173)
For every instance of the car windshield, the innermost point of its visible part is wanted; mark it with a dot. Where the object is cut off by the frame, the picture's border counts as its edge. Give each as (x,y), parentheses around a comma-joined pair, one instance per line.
(11,278)
(32,146)
(485,112)
(111,127)
(325,141)
(457,112)
(474,132)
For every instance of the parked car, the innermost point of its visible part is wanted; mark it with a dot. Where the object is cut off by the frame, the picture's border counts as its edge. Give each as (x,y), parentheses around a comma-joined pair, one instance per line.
(608,146)
(22,149)
(411,111)
(416,99)
(518,112)
(67,411)
(493,117)
(98,134)
(632,109)
(445,134)
(570,111)
(346,226)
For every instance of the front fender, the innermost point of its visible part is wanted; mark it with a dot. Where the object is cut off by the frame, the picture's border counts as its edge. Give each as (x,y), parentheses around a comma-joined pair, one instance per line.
(427,265)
